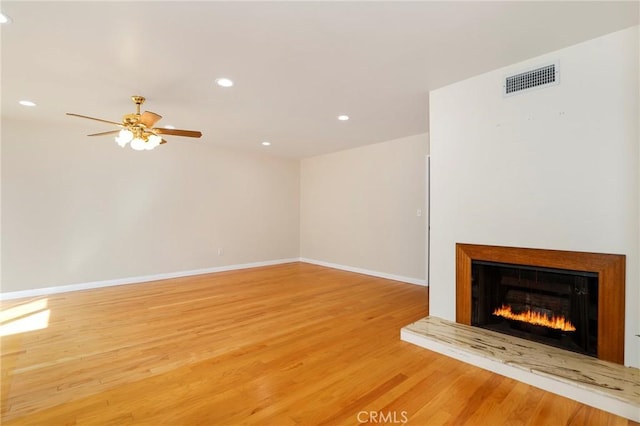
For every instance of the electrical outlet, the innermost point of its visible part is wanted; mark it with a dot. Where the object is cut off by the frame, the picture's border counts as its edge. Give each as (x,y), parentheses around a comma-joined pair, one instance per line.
(419,212)
(220,252)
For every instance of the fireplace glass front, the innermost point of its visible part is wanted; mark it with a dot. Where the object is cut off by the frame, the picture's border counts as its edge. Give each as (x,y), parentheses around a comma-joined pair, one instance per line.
(556,307)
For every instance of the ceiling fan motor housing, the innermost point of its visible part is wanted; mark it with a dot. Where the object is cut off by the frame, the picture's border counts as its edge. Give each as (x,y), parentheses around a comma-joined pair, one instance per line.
(131,119)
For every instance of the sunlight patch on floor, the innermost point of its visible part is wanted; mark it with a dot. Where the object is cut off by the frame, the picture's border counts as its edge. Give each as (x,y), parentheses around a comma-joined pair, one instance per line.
(26,317)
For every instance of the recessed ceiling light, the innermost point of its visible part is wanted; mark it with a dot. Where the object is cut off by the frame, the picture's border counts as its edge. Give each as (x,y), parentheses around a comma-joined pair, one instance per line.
(4,19)
(27,103)
(266,143)
(224,82)
(343,117)
(169,126)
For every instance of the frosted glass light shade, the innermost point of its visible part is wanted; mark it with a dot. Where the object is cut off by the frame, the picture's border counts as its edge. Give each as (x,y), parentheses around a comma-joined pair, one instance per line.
(124,137)
(153,141)
(138,144)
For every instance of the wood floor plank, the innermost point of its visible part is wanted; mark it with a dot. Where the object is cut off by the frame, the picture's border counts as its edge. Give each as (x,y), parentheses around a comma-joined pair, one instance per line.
(295,344)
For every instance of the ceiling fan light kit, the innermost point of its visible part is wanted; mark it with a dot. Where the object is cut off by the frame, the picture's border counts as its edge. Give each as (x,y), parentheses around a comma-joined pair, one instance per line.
(137,129)
(140,142)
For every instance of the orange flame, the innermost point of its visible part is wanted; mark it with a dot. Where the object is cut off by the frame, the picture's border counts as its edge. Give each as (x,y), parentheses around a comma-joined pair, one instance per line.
(535,318)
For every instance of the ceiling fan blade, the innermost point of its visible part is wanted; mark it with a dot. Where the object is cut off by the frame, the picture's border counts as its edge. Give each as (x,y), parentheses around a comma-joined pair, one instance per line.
(110,132)
(178,132)
(96,119)
(149,119)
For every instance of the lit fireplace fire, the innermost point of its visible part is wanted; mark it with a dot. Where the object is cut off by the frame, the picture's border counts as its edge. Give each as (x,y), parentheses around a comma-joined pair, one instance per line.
(535,318)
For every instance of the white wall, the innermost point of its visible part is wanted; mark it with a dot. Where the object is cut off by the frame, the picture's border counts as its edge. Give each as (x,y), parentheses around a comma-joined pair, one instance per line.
(358,207)
(83,210)
(553,168)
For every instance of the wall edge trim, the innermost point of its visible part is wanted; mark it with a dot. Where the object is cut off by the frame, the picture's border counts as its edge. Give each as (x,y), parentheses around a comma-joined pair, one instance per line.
(378,274)
(137,280)
(157,277)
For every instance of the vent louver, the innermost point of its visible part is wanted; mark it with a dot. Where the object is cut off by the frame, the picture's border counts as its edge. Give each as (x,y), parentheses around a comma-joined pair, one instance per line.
(539,77)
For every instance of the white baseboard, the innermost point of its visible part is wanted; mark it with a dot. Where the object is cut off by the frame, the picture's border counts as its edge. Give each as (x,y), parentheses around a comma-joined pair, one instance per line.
(409,280)
(146,278)
(135,280)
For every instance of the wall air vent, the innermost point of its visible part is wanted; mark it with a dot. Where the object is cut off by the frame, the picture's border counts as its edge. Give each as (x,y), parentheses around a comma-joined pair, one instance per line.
(547,75)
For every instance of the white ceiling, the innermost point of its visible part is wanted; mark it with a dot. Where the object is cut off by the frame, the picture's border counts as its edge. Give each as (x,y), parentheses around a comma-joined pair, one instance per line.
(296,65)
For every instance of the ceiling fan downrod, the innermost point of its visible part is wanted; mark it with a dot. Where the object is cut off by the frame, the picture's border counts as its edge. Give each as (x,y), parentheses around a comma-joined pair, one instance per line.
(138,100)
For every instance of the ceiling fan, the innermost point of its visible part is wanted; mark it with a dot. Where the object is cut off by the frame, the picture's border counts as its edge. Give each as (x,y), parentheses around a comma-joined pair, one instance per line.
(138,129)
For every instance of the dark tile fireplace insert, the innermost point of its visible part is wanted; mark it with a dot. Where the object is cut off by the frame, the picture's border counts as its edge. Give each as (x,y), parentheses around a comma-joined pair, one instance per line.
(517,291)
(558,307)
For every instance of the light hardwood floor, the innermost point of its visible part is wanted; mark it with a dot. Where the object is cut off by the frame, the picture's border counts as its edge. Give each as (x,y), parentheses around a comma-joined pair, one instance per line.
(287,344)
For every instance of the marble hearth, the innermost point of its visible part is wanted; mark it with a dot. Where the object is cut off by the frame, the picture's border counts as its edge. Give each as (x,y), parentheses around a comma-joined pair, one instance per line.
(605,385)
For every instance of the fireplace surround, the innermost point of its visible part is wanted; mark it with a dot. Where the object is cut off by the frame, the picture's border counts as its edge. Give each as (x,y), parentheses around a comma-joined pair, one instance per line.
(610,286)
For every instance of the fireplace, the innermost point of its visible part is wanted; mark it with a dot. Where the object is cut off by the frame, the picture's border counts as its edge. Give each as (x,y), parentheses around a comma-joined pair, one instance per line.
(558,307)
(571,300)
